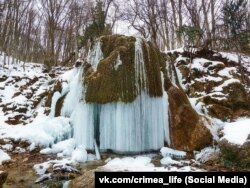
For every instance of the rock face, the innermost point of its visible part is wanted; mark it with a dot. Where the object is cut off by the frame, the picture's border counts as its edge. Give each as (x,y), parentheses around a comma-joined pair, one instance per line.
(186,126)
(120,67)
(3,177)
(221,85)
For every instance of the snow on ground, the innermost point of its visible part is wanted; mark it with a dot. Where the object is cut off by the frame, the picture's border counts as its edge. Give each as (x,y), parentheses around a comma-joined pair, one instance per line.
(169,161)
(79,155)
(62,148)
(234,57)
(237,132)
(142,163)
(4,157)
(44,134)
(227,72)
(200,63)
(204,155)
(225,84)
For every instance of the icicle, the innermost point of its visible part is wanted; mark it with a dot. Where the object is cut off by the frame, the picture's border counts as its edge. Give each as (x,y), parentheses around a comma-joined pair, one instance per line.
(135,127)
(97,154)
(165,109)
(95,55)
(140,71)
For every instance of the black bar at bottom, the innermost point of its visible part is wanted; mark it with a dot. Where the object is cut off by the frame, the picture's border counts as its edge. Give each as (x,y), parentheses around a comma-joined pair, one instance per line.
(170,179)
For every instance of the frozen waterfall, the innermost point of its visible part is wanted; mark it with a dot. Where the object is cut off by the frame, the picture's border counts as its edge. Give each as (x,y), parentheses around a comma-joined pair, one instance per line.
(139,126)
(134,127)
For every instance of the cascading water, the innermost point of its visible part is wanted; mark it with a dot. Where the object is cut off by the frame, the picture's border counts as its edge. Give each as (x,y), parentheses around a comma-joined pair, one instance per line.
(139,126)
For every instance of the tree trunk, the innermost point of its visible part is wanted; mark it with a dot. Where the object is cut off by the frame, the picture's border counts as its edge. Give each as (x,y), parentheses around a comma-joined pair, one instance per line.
(213,23)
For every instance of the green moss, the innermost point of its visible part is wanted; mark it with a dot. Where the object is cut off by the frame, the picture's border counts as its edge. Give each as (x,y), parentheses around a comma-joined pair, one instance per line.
(109,84)
(152,62)
(235,156)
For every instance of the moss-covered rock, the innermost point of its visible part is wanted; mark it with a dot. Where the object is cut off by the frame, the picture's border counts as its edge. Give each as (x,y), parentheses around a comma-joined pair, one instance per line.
(117,82)
(186,126)
(234,155)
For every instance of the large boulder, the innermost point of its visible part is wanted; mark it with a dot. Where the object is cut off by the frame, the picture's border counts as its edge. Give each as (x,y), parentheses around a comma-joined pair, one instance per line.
(116,76)
(186,126)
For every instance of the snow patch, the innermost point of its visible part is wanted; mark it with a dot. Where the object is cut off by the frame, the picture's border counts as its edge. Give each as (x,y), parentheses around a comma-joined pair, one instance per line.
(43,133)
(237,132)
(169,161)
(3,157)
(79,155)
(206,79)
(142,163)
(225,84)
(204,155)
(65,147)
(227,72)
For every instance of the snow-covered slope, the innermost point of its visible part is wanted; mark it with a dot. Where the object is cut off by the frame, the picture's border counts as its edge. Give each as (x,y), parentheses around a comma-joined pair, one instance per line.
(218,87)
(24,90)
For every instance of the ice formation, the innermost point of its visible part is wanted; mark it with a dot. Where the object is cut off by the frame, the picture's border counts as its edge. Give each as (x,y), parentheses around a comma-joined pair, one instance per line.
(169,152)
(95,55)
(139,126)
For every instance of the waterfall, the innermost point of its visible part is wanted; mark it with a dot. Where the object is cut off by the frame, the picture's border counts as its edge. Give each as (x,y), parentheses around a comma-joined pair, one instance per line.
(139,126)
